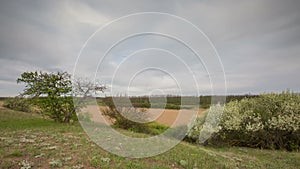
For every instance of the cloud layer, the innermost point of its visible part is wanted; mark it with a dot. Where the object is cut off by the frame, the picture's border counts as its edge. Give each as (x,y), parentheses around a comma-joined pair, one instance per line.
(258,42)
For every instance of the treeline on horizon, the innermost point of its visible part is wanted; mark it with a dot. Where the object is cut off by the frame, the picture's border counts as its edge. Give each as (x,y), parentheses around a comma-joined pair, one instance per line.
(168,102)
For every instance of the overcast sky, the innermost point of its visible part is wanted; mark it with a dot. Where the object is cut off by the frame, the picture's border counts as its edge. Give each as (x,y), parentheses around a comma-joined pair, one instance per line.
(258,43)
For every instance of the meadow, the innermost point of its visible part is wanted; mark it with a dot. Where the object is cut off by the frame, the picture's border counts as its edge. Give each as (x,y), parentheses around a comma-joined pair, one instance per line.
(28,140)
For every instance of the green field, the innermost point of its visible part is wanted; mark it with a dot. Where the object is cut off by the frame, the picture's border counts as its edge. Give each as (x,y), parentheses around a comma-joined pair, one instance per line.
(28,140)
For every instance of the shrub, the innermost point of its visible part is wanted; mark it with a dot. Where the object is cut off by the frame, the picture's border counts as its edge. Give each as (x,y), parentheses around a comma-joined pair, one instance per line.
(194,132)
(205,125)
(19,104)
(157,128)
(122,118)
(172,106)
(115,115)
(269,121)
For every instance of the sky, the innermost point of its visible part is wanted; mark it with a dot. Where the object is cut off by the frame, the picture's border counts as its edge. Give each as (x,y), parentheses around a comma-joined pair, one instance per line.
(193,48)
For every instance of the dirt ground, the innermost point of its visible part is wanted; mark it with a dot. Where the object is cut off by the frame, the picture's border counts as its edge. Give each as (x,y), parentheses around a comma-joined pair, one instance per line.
(168,117)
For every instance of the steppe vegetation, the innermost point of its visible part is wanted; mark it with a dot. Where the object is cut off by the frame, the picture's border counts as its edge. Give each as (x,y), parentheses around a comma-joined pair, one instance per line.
(40,129)
(30,141)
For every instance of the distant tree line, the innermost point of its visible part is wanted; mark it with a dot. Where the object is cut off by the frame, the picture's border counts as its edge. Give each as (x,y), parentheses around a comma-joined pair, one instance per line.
(172,102)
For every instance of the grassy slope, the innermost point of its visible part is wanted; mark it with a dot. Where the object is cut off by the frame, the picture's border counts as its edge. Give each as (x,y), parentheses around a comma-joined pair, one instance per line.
(45,144)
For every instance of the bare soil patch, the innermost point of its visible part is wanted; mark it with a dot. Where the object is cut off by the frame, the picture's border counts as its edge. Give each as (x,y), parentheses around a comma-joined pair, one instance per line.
(169,116)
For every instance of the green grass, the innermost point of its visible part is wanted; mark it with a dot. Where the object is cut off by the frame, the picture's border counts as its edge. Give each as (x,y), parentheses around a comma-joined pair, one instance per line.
(28,139)
(157,128)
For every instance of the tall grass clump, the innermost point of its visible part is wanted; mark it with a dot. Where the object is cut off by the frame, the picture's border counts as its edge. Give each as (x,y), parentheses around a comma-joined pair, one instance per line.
(270,121)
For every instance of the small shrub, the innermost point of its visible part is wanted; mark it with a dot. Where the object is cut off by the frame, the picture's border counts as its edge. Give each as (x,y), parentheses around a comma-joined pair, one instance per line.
(17,103)
(17,154)
(172,106)
(204,106)
(6,164)
(120,121)
(105,160)
(56,163)
(183,163)
(25,164)
(95,161)
(157,128)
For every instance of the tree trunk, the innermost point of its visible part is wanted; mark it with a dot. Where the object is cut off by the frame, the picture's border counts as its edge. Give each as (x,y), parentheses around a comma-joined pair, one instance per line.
(67,119)
(68,116)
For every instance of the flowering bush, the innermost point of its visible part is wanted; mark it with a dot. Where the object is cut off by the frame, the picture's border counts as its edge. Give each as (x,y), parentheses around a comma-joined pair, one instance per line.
(268,121)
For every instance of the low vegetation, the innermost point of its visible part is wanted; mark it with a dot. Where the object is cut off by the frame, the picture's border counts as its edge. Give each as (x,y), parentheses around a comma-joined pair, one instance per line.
(30,141)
